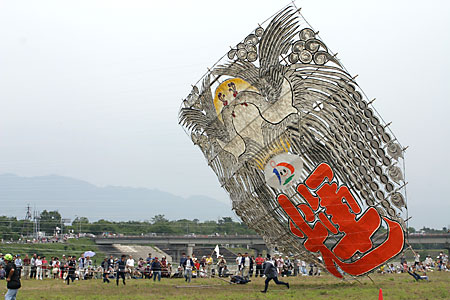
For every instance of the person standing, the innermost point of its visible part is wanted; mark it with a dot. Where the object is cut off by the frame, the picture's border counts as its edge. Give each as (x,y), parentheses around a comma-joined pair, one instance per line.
(188,265)
(183,259)
(239,263)
(71,266)
(2,261)
(105,268)
(252,265)
(271,273)
(156,268)
(209,263)
(62,265)
(12,278)
(296,267)
(149,258)
(18,262)
(121,268)
(44,267)
(221,265)
(26,266)
(245,266)
(81,261)
(416,259)
(38,263)
(259,265)
(111,261)
(33,266)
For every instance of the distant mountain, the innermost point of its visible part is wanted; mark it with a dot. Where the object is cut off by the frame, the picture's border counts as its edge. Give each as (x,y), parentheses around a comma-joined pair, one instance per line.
(76,197)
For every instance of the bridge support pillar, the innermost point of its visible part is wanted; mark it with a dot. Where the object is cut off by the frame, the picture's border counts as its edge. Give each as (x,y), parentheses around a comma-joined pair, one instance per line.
(447,246)
(190,249)
(272,251)
(259,248)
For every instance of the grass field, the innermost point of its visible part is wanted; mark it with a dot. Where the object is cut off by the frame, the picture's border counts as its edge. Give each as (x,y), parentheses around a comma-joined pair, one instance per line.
(397,286)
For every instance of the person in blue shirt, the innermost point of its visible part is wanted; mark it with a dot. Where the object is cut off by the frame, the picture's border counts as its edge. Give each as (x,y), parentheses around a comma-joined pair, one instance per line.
(18,263)
(156,268)
(183,259)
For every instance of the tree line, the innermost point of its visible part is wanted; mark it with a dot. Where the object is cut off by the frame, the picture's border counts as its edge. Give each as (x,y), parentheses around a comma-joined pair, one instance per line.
(51,223)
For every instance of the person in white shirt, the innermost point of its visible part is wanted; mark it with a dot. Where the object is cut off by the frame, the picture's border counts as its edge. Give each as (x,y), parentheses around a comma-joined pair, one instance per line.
(81,261)
(188,264)
(130,266)
(38,263)
(239,263)
(246,266)
(279,264)
(304,272)
(416,259)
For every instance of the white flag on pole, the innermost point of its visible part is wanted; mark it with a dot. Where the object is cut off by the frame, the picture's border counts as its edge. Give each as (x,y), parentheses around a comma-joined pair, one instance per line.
(217,251)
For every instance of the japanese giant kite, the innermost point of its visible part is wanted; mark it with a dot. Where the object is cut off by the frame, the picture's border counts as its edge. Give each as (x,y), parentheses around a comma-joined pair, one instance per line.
(307,161)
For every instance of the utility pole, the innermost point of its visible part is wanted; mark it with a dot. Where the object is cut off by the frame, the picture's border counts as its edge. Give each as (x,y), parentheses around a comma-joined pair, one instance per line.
(28,214)
(36,225)
(25,227)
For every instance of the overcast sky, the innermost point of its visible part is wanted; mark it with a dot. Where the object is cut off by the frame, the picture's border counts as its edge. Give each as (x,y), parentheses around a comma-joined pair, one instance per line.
(91,89)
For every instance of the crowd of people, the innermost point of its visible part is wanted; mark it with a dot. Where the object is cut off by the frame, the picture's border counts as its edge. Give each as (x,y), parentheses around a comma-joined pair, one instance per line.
(246,265)
(418,269)
(71,268)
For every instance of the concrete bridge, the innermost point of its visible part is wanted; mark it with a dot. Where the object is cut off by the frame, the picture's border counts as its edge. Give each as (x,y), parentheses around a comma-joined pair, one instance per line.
(180,244)
(187,243)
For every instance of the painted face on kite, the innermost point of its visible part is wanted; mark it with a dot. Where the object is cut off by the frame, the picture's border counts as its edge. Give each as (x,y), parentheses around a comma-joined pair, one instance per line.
(307,161)
(284,172)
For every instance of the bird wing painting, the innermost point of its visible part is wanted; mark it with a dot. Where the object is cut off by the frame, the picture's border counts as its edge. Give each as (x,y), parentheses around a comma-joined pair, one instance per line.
(305,158)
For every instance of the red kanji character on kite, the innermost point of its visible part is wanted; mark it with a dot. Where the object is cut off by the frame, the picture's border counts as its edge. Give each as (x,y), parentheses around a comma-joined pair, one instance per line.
(339,213)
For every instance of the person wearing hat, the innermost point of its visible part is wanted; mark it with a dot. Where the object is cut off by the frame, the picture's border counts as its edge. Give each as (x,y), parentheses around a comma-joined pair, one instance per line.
(12,278)
(271,273)
(156,268)
(221,264)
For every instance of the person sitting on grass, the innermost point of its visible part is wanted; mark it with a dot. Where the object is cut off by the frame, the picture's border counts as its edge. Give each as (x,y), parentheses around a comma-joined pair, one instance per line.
(226,272)
(136,274)
(178,273)
(417,276)
(147,271)
(141,265)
